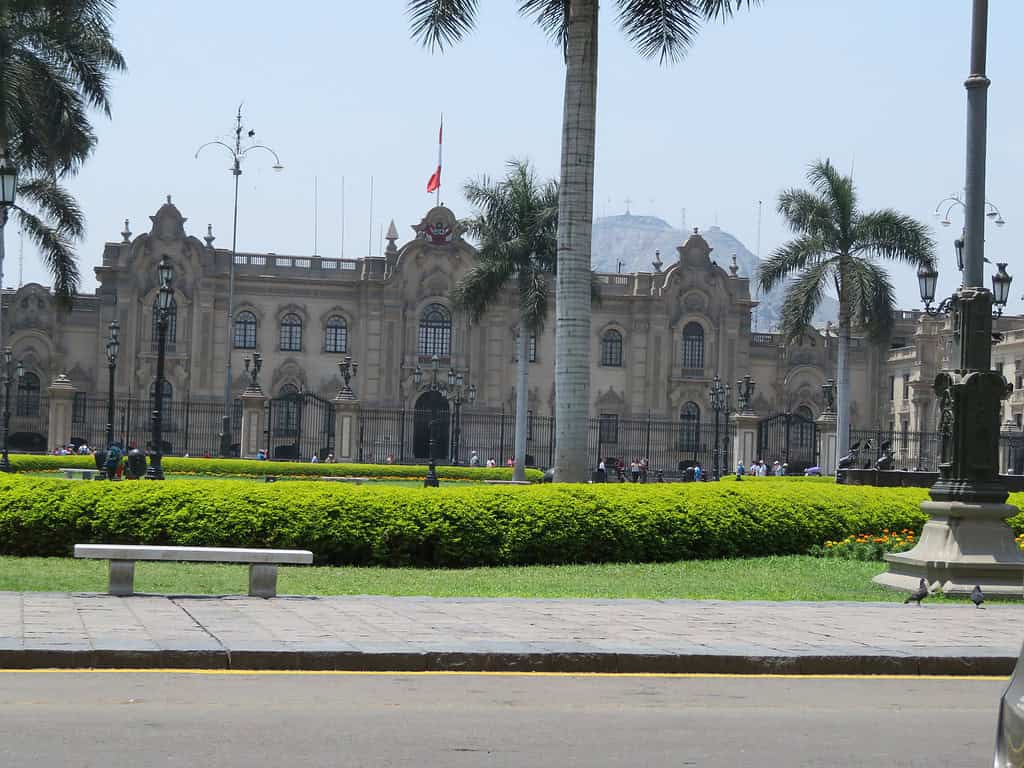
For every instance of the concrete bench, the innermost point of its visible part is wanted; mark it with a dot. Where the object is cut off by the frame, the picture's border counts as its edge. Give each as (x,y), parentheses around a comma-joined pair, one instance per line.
(79,473)
(262,562)
(507,482)
(356,480)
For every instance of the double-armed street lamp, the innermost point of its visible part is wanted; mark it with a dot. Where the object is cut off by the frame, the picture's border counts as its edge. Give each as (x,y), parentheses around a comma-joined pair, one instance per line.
(347,367)
(238,153)
(745,393)
(5,463)
(720,403)
(165,298)
(113,346)
(456,392)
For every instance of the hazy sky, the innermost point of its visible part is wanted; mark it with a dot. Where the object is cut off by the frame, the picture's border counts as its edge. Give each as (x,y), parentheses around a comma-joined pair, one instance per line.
(339,89)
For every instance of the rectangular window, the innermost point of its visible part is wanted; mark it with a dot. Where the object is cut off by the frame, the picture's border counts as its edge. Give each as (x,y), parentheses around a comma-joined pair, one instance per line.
(532,345)
(906,386)
(892,387)
(609,428)
(529,425)
(78,408)
(1018,419)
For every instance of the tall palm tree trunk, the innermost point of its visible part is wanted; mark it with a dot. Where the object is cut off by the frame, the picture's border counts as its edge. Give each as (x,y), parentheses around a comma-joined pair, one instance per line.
(522,404)
(575,219)
(843,385)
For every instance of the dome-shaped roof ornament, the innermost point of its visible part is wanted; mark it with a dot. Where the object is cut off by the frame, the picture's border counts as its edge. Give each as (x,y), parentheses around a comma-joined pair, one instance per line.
(657,263)
(734,268)
(126,233)
(209,236)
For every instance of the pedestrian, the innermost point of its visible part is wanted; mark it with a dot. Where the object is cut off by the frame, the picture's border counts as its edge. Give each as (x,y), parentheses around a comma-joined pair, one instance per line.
(474,460)
(739,470)
(491,464)
(643,469)
(698,473)
(602,472)
(634,470)
(315,459)
(330,458)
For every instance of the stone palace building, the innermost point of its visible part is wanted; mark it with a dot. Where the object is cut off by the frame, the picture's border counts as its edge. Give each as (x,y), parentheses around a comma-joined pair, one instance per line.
(658,340)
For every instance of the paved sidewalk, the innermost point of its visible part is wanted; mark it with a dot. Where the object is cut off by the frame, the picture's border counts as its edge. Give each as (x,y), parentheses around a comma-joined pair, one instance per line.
(418,633)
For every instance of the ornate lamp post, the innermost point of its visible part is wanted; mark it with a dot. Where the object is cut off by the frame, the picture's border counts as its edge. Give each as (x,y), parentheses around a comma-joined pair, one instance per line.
(5,463)
(348,370)
(719,404)
(165,297)
(113,345)
(966,541)
(238,153)
(828,393)
(252,368)
(455,392)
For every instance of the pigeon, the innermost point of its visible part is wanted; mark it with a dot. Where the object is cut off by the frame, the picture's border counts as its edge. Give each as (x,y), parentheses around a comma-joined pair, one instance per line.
(977,596)
(919,595)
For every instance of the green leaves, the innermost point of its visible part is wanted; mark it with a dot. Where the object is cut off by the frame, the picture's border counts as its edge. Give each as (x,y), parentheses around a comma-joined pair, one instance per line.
(439,23)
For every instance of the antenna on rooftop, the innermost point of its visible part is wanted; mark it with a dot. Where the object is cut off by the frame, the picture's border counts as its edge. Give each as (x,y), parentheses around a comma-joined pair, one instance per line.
(316,221)
(21,256)
(369,245)
(343,217)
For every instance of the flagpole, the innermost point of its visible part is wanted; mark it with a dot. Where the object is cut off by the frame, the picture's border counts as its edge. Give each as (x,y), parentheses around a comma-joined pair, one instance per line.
(440,145)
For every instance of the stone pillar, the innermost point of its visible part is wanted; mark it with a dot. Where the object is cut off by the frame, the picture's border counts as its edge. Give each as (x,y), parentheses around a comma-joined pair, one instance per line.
(62,398)
(827,457)
(346,429)
(744,442)
(254,416)
(1006,436)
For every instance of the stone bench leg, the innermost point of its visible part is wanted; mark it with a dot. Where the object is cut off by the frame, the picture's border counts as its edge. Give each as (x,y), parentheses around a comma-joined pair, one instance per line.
(262,580)
(122,577)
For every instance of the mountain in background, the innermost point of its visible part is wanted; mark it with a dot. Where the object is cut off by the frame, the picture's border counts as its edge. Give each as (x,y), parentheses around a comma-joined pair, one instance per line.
(632,240)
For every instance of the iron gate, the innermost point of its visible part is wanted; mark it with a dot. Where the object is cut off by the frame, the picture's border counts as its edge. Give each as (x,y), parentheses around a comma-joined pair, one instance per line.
(300,425)
(788,438)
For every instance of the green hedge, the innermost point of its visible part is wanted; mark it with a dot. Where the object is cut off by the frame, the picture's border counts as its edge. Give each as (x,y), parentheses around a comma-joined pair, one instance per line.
(454,527)
(249,467)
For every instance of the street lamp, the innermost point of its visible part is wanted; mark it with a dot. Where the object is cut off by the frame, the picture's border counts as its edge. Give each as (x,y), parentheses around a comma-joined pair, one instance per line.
(165,297)
(113,345)
(455,391)
(828,393)
(719,404)
(348,370)
(745,392)
(237,155)
(5,463)
(965,542)
(928,275)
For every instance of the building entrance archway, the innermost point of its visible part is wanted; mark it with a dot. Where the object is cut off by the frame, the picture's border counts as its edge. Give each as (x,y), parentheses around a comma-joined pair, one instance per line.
(431,413)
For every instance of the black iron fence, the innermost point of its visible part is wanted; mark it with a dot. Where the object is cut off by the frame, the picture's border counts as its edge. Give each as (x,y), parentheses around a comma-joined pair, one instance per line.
(920,451)
(190,427)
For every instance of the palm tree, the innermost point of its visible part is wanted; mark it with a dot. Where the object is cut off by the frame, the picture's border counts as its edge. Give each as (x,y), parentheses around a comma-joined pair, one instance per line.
(662,28)
(515,227)
(55,60)
(838,247)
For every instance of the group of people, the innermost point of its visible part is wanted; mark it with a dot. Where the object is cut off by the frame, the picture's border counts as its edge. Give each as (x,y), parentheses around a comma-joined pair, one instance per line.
(474,461)
(71,450)
(636,470)
(760,468)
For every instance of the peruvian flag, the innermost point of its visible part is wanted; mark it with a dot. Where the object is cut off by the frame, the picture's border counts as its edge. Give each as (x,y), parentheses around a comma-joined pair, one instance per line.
(435,180)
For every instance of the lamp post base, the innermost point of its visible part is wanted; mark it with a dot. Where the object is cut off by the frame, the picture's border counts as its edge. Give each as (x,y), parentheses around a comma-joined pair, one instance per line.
(963,545)
(154,473)
(431,481)
(5,463)
(225,438)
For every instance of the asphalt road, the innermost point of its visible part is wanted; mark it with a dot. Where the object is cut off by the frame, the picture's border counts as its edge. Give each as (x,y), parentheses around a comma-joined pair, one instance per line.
(256,720)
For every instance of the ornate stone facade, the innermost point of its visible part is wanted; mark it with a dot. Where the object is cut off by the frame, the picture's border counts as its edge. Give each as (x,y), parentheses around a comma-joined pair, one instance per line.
(658,338)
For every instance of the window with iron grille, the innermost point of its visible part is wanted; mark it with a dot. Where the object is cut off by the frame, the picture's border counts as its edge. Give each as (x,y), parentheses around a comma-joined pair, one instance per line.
(689,427)
(906,386)
(892,387)
(531,348)
(611,349)
(245,330)
(291,333)
(172,325)
(336,335)
(27,403)
(609,428)
(693,346)
(78,408)
(286,411)
(435,333)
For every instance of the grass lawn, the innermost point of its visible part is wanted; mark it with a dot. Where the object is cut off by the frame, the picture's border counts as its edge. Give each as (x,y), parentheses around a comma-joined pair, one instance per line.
(768,578)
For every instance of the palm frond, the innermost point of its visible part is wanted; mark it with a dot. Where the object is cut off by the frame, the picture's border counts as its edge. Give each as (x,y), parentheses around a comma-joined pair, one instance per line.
(55,202)
(667,28)
(838,191)
(791,257)
(55,247)
(888,234)
(551,15)
(803,298)
(534,295)
(806,212)
(869,296)
(439,23)
(481,286)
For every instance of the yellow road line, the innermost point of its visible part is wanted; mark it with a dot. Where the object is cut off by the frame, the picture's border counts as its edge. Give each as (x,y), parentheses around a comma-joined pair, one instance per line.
(421,673)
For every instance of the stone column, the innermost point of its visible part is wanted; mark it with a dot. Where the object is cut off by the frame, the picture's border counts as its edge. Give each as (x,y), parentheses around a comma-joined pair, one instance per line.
(827,442)
(744,441)
(254,416)
(1006,436)
(62,398)
(346,429)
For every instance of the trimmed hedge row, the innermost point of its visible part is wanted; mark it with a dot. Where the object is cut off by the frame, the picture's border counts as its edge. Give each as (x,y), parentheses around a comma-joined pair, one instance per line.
(454,527)
(27,462)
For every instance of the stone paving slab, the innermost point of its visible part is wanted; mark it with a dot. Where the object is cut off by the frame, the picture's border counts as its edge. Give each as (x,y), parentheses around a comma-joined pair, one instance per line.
(419,633)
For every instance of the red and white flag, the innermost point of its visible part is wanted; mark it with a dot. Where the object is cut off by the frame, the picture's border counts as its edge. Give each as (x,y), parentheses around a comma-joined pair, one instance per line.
(435,180)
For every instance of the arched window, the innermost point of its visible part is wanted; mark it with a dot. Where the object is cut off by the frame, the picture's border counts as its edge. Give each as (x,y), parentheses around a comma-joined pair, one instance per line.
(28,395)
(291,333)
(336,335)
(804,427)
(172,325)
(286,411)
(693,346)
(435,337)
(611,349)
(245,330)
(689,427)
